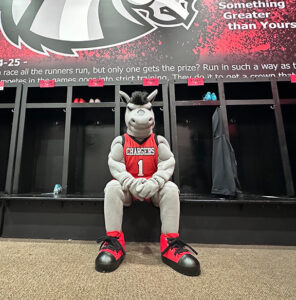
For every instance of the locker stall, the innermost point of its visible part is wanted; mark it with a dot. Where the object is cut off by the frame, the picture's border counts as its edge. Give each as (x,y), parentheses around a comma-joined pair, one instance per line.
(287,98)
(253,135)
(195,143)
(42,150)
(92,132)
(191,123)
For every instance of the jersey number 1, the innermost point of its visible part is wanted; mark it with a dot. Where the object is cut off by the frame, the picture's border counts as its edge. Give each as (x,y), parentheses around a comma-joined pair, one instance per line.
(140,164)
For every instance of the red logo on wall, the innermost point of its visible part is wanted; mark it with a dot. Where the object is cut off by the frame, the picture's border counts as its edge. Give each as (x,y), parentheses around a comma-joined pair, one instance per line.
(193,81)
(293,78)
(150,82)
(47,83)
(96,82)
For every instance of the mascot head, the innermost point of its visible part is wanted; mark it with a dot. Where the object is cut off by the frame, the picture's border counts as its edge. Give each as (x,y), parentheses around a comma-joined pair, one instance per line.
(67,26)
(139,116)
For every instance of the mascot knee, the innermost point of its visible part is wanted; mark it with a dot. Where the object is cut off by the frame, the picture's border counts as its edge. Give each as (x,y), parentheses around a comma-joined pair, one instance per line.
(171,190)
(113,188)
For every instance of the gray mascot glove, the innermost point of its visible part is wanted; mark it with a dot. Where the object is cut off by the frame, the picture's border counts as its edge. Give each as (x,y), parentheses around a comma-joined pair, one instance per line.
(136,186)
(150,188)
(126,182)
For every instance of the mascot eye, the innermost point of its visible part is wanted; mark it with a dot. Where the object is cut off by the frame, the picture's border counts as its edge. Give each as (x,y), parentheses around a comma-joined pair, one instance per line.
(129,108)
(150,108)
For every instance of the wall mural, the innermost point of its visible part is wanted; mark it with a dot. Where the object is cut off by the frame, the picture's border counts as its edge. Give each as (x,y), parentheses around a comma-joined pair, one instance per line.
(74,40)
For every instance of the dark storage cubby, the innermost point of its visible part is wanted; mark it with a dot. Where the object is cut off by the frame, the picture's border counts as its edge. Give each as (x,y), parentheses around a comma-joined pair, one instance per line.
(6,120)
(253,135)
(57,94)
(8,95)
(129,89)
(289,118)
(42,151)
(159,121)
(247,90)
(105,93)
(92,132)
(195,143)
(184,92)
(286,89)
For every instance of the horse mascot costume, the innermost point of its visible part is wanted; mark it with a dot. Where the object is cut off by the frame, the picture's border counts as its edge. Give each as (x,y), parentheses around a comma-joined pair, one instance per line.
(142,164)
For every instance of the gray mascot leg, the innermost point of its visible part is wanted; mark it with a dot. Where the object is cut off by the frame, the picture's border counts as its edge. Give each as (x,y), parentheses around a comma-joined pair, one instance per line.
(115,199)
(112,250)
(173,251)
(168,201)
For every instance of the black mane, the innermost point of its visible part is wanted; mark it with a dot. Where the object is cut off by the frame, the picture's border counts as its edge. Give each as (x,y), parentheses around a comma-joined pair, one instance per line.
(139,98)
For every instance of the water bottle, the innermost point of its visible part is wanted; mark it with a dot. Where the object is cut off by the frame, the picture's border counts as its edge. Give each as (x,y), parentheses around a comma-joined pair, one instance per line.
(57,190)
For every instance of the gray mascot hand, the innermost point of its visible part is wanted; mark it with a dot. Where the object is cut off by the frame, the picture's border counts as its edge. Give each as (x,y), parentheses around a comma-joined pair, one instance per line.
(127,183)
(149,189)
(136,187)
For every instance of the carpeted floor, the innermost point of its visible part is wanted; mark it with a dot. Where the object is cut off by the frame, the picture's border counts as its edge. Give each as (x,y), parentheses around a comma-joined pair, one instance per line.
(45,269)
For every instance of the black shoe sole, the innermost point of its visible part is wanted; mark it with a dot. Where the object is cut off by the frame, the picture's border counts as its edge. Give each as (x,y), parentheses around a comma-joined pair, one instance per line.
(181,269)
(109,268)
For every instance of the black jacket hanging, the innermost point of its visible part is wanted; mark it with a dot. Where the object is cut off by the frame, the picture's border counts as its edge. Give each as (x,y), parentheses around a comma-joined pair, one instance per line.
(224,165)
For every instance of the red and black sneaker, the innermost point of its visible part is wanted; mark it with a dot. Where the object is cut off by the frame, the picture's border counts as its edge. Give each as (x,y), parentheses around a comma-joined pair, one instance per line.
(112,252)
(175,255)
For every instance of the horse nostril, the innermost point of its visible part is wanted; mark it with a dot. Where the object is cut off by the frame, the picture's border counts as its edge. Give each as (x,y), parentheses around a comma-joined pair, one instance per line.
(151,119)
(141,112)
(133,120)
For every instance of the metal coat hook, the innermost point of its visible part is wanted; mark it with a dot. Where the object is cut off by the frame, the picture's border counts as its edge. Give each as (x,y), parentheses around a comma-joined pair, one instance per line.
(12,110)
(113,109)
(64,110)
(271,106)
(161,109)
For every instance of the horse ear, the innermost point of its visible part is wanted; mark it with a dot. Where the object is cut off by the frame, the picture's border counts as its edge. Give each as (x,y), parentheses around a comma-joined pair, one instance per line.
(125,97)
(152,96)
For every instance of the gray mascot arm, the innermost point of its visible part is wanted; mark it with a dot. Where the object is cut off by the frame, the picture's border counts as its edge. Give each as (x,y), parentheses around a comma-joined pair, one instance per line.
(118,169)
(116,164)
(165,170)
(166,162)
